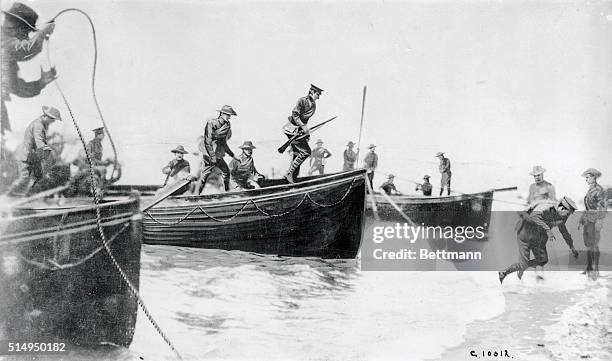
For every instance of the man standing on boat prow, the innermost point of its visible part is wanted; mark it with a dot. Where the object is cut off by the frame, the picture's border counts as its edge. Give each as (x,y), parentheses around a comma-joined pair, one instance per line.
(298,123)
(445,173)
(216,134)
(350,157)
(34,150)
(541,189)
(534,230)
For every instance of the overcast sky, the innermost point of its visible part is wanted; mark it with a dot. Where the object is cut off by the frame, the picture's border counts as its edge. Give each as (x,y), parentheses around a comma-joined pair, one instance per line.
(499,86)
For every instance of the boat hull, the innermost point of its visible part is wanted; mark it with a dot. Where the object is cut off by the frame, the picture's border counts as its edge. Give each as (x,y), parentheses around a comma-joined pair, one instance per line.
(320,217)
(58,281)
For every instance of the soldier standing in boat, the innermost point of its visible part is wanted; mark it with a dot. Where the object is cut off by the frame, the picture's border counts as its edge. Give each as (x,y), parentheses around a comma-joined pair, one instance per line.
(33,152)
(242,169)
(350,157)
(178,168)
(541,189)
(534,230)
(591,220)
(370,162)
(18,46)
(317,158)
(389,187)
(96,150)
(445,173)
(298,123)
(216,134)
(426,187)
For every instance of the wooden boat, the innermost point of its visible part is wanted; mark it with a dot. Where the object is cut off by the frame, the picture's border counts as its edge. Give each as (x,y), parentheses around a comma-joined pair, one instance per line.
(58,281)
(457,210)
(318,217)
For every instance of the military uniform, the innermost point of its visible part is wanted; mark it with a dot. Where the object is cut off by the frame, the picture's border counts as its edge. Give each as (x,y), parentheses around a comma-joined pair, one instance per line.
(371,163)
(174,168)
(95,151)
(595,204)
(30,156)
(243,171)
(318,157)
(532,234)
(426,188)
(216,134)
(445,174)
(350,157)
(300,115)
(388,187)
(18,50)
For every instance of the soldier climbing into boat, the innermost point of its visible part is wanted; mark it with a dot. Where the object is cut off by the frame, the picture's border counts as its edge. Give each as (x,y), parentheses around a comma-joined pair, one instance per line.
(350,157)
(18,46)
(318,157)
(216,134)
(591,220)
(298,124)
(534,230)
(426,187)
(541,189)
(178,168)
(445,173)
(34,151)
(389,187)
(370,163)
(242,169)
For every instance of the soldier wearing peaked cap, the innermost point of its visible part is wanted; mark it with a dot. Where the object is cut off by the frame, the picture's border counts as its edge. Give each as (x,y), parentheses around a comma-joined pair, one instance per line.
(242,168)
(95,148)
(534,230)
(318,157)
(216,134)
(298,123)
(18,46)
(350,157)
(34,150)
(591,220)
(541,189)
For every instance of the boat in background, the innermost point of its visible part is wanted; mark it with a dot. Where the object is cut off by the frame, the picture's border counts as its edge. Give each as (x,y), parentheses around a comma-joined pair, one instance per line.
(316,217)
(58,281)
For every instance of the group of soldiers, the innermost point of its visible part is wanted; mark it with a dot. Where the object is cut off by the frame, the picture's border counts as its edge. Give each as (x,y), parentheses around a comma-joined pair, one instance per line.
(545,212)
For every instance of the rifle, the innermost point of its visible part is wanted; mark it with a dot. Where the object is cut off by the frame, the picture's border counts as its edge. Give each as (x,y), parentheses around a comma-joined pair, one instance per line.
(299,136)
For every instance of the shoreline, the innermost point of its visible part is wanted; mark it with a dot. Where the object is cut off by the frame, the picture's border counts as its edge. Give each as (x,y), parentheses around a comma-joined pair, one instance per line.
(565,317)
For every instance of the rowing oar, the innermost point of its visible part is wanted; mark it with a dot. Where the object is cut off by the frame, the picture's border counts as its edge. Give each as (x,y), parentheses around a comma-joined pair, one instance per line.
(299,136)
(398,209)
(165,195)
(505,189)
(372,198)
(39,195)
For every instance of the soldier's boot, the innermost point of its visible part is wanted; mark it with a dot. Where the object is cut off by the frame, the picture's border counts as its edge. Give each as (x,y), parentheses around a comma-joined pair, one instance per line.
(441,191)
(294,169)
(448,190)
(226,184)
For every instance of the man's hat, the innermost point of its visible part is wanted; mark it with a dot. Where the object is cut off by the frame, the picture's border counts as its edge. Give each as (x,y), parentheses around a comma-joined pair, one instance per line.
(592,171)
(538,169)
(568,203)
(227,109)
(439,154)
(426,176)
(350,143)
(98,130)
(247,145)
(319,141)
(371,146)
(316,88)
(51,112)
(23,13)
(179,149)
(390,176)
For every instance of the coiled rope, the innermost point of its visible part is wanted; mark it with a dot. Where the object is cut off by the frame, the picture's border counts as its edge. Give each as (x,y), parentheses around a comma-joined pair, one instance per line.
(94,188)
(306,196)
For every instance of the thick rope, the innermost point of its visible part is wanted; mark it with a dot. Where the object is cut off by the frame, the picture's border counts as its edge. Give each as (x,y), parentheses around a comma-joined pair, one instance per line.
(257,207)
(96,196)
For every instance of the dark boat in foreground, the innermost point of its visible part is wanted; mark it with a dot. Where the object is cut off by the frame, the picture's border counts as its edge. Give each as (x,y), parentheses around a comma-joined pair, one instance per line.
(317,217)
(58,281)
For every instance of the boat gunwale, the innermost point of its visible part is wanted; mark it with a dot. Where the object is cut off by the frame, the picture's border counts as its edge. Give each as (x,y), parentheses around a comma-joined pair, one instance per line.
(408,199)
(50,212)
